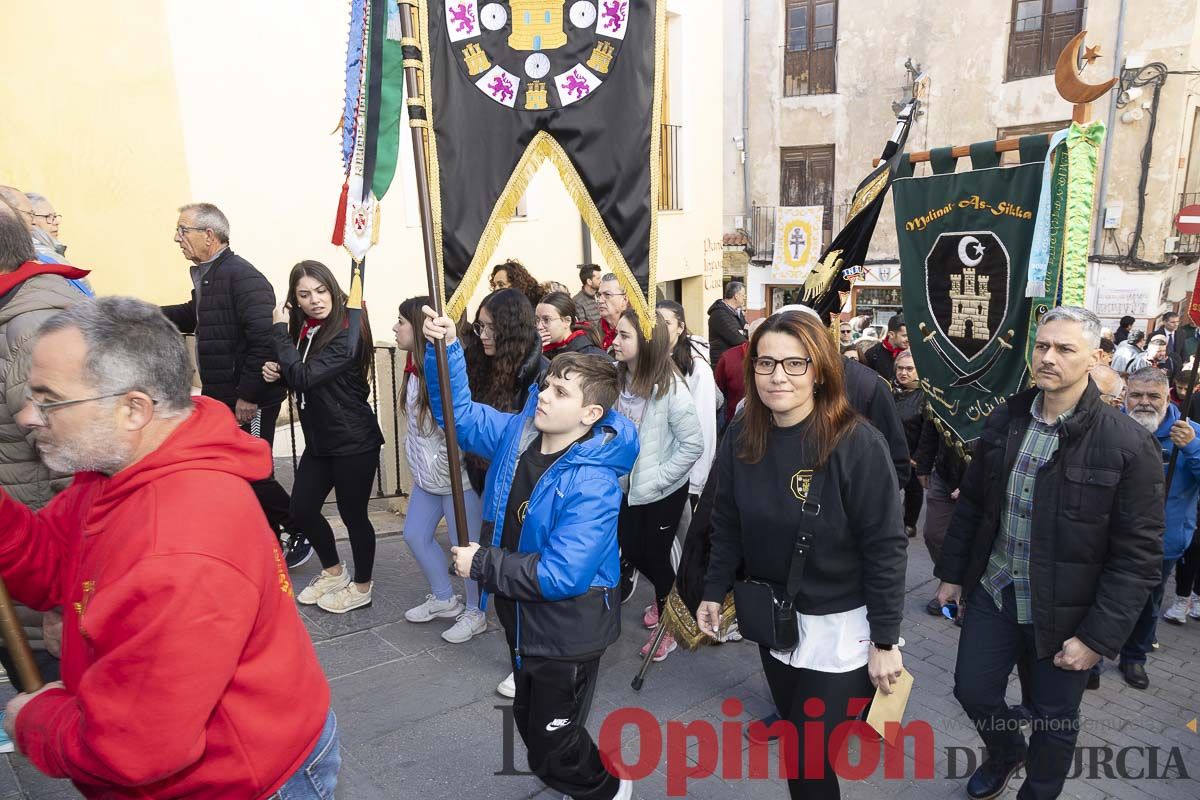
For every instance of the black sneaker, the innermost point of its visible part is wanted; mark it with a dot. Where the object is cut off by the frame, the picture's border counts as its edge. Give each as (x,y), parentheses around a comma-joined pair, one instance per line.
(759,735)
(1093,681)
(629,581)
(296,549)
(991,779)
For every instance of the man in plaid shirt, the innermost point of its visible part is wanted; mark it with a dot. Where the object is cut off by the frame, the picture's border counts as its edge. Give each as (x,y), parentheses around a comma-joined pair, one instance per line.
(1056,543)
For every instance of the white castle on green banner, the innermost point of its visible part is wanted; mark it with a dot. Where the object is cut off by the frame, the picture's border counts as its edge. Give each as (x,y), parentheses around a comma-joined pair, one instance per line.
(969,307)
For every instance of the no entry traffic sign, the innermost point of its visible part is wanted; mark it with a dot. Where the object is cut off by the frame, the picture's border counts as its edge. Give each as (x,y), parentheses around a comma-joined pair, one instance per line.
(1187,221)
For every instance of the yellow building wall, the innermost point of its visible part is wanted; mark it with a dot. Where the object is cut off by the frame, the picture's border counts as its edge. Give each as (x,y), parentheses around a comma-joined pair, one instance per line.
(92,122)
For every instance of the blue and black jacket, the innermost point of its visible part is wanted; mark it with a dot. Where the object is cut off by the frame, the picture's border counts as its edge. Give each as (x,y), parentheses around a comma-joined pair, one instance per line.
(565,571)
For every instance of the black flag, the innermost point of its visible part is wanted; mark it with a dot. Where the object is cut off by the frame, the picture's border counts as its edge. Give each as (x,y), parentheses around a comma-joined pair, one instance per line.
(842,260)
(510,85)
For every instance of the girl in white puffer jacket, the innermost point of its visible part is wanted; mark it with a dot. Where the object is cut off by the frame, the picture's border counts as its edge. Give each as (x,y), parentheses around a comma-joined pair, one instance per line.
(430,500)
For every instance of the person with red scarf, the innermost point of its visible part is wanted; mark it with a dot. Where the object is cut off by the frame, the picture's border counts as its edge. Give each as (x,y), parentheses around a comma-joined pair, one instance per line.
(612,301)
(882,357)
(561,332)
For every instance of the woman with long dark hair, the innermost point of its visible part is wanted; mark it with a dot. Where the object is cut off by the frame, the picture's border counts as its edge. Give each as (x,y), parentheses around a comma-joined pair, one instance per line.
(790,509)
(690,354)
(329,379)
(430,500)
(560,330)
(512,274)
(656,399)
(504,359)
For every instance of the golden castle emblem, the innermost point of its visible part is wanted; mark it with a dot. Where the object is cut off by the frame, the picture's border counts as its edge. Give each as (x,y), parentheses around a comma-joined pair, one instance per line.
(537,25)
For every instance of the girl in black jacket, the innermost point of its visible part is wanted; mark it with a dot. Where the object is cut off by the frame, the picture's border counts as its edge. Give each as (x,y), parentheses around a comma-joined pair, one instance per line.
(329,380)
(800,458)
(560,330)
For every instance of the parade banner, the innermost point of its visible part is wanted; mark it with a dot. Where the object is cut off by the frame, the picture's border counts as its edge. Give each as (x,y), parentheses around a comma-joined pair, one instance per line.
(797,241)
(510,85)
(370,127)
(828,284)
(964,243)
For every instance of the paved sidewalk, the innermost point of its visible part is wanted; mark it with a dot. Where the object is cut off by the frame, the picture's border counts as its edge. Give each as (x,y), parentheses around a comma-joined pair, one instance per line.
(419,718)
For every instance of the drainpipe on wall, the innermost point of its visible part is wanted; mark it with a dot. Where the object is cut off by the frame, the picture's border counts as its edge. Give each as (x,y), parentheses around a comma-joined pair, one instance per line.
(746,109)
(1118,58)
(585,240)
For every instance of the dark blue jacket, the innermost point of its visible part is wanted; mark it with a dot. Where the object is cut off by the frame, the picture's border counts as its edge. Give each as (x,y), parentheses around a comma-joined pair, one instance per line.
(567,553)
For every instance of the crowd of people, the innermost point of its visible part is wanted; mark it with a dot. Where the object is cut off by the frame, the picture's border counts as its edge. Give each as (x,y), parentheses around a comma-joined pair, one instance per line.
(590,439)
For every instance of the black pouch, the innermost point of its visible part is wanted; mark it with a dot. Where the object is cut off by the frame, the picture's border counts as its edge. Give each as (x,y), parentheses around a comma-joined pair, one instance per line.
(766,613)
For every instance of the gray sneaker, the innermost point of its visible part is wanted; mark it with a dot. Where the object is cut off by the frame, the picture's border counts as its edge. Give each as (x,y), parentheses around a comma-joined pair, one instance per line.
(1194,606)
(468,625)
(433,609)
(1178,612)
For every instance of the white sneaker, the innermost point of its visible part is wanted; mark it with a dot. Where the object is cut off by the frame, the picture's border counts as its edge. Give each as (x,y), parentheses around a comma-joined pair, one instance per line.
(1178,612)
(433,609)
(346,599)
(1194,606)
(322,585)
(468,625)
(507,687)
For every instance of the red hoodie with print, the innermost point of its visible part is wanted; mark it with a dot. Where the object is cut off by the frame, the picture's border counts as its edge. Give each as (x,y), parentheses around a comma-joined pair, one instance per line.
(188,670)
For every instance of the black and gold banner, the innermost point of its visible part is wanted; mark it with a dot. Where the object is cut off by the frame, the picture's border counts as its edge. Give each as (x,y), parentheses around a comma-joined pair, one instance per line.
(509,85)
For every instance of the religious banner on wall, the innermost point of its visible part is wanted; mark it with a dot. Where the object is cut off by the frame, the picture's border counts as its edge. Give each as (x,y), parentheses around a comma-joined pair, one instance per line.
(964,243)
(797,241)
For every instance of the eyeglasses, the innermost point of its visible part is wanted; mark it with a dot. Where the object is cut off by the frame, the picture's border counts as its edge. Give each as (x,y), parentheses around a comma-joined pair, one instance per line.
(609,295)
(51,217)
(481,328)
(180,230)
(545,322)
(765,365)
(43,409)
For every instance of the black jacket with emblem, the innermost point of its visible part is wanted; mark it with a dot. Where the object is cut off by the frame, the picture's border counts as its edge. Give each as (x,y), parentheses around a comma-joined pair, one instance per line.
(233,331)
(1096,544)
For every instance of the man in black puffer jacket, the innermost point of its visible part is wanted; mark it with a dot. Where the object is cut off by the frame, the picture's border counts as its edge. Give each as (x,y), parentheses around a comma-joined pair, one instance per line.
(230,314)
(1056,542)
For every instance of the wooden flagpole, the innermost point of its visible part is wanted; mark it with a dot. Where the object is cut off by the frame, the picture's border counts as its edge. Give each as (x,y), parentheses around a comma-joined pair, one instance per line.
(419,131)
(17,644)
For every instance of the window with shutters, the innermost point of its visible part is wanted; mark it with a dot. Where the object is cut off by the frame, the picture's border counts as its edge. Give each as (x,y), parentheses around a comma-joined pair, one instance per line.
(806,179)
(1039,31)
(810,47)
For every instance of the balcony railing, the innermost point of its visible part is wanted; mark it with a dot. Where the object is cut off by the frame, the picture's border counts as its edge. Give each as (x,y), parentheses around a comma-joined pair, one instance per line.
(668,169)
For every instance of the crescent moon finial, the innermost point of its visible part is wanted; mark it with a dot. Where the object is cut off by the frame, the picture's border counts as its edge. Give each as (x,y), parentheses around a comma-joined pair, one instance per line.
(1067,80)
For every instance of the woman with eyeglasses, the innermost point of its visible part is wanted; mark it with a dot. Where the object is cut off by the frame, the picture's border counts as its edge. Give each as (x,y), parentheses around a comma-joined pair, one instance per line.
(655,397)
(690,354)
(559,328)
(513,275)
(504,358)
(791,475)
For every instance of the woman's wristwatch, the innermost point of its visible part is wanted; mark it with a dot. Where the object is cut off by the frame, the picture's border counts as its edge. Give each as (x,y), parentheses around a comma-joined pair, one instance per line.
(879,646)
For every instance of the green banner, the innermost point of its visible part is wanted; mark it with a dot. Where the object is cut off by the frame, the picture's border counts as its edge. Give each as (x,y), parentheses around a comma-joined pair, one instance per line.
(964,257)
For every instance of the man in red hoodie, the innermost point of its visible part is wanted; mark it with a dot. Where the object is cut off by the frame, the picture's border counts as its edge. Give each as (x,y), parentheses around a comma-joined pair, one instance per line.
(178,613)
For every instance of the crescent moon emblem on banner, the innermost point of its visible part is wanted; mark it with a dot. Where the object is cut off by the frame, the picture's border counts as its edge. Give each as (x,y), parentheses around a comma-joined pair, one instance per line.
(966,242)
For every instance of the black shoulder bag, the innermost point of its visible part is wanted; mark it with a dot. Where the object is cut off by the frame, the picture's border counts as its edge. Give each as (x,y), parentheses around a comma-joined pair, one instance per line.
(766,614)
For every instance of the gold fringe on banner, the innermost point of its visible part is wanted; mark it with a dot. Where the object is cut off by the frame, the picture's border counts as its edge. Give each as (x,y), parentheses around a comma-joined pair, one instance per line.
(683,626)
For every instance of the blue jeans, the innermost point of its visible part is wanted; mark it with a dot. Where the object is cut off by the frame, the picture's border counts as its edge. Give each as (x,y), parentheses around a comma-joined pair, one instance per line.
(317,777)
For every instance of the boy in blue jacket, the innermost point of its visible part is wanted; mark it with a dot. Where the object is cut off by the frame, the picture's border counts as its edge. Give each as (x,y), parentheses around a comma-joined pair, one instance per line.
(552,498)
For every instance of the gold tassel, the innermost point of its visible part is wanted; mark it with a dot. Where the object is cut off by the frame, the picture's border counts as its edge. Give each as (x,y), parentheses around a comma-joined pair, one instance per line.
(354,300)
